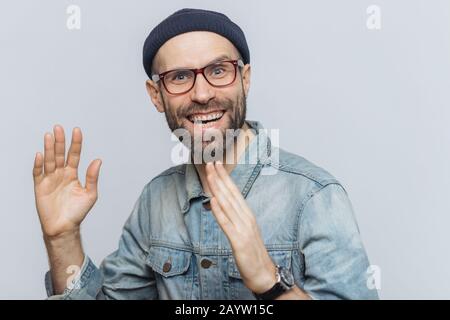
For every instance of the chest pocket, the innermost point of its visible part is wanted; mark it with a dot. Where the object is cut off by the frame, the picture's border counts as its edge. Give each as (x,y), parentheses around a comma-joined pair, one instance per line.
(238,291)
(173,271)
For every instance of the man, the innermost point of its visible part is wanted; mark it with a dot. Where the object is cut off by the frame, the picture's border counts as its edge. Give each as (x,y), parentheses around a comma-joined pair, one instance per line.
(207,229)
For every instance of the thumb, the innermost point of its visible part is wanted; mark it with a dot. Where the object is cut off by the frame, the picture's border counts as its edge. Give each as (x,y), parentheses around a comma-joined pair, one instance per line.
(92,176)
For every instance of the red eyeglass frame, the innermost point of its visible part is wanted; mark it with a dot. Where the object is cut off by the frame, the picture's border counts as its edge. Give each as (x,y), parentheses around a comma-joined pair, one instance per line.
(237,63)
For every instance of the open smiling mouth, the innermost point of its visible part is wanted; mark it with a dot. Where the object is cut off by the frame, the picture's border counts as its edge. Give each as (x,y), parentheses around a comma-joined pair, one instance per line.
(204,119)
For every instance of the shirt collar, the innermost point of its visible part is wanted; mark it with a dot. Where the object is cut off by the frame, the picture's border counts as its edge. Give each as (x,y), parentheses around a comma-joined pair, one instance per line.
(243,174)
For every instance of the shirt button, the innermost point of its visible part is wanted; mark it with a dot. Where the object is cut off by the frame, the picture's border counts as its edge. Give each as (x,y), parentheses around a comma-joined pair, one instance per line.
(206,263)
(167,266)
(207,205)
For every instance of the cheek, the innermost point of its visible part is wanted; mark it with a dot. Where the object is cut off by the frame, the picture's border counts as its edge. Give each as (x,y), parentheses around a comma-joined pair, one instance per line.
(174,104)
(232,92)
(230,96)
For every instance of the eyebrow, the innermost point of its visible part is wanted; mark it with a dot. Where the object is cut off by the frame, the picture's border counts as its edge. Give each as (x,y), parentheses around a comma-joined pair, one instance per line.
(220,58)
(217,59)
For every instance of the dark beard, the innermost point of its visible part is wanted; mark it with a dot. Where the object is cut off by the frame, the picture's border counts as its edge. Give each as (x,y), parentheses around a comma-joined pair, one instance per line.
(237,115)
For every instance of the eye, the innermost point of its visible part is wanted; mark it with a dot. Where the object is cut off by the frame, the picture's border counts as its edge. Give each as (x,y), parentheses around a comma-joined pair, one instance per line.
(180,76)
(218,70)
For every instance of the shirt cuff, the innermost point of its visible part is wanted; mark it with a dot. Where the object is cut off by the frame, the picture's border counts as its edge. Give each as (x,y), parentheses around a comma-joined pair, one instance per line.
(77,282)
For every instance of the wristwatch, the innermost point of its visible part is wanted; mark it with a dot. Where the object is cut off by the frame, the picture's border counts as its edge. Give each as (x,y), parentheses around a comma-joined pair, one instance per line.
(285,282)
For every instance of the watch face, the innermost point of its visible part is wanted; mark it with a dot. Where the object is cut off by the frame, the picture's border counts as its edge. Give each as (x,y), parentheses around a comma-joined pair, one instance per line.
(286,277)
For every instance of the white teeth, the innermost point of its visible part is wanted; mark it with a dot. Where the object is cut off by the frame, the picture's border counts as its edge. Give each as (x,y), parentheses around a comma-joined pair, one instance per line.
(212,116)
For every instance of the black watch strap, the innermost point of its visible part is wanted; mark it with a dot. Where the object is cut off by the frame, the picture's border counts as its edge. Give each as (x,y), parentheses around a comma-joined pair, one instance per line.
(273,293)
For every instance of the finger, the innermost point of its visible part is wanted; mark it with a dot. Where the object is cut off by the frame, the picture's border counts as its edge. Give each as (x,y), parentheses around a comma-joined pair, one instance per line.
(219,186)
(73,156)
(222,195)
(37,168)
(222,218)
(60,146)
(49,153)
(233,189)
(236,198)
(92,174)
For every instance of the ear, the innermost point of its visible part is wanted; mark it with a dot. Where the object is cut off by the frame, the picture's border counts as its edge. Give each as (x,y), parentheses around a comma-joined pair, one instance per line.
(246,73)
(154,92)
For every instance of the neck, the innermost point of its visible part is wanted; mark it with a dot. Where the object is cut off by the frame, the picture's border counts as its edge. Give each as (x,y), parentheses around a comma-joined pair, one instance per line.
(239,145)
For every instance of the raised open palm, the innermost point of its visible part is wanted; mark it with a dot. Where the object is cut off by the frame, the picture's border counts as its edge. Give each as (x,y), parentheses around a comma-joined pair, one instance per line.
(61,201)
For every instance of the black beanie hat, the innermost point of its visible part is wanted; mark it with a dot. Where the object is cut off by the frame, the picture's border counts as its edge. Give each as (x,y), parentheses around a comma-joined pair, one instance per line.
(186,20)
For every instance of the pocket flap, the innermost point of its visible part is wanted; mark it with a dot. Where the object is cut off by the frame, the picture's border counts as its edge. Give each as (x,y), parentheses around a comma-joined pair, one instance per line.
(282,258)
(168,261)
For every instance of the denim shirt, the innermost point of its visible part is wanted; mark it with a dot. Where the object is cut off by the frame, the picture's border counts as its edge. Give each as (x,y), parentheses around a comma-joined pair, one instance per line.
(172,247)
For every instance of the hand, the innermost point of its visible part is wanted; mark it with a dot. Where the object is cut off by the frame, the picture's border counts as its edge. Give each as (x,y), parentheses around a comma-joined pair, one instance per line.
(61,201)
(239,225)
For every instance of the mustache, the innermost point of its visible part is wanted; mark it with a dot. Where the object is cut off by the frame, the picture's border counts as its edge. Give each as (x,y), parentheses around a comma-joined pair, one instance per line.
(204,108)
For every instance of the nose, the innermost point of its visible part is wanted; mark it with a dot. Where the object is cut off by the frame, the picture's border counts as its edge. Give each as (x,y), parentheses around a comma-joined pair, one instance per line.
(202,91)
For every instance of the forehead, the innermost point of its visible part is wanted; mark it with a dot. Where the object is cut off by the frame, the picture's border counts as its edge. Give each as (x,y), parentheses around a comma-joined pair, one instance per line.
(193,50)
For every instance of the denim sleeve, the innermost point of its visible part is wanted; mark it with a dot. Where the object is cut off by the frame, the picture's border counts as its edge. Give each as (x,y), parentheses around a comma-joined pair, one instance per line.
(335,261)
(123,274)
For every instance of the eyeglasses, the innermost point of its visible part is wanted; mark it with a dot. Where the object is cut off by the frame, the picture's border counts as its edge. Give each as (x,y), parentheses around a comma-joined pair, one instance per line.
(218,74)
